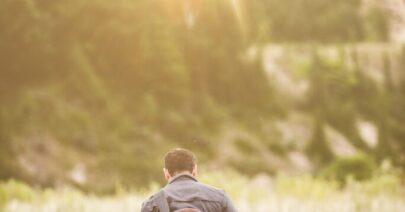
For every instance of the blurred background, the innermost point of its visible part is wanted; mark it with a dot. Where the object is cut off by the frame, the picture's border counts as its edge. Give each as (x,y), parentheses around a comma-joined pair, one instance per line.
(93,93)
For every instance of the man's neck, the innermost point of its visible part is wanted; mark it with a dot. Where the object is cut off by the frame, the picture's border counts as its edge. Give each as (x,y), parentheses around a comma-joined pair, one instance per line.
(179,174)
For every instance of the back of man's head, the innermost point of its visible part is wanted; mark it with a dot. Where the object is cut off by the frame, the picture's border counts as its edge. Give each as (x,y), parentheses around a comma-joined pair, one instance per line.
(179,160)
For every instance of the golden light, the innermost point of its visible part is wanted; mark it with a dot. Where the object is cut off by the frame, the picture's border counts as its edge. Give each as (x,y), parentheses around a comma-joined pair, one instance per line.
(237,8)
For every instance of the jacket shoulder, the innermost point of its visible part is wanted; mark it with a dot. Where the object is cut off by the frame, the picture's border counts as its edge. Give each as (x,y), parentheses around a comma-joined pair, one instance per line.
(147,205)
(157,200)
(212,193)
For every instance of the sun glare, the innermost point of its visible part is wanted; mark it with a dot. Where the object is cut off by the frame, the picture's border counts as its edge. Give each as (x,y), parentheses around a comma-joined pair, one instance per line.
(237,9)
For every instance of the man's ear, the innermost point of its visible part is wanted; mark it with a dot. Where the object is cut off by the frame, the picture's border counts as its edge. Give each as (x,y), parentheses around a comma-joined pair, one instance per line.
(195,171)
(167,174)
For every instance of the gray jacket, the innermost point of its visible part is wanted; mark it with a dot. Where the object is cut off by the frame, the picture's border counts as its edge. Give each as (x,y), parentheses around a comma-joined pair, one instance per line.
(184,191)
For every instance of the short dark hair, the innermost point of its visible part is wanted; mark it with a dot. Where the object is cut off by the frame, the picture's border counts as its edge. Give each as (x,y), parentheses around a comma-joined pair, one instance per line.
(179,160)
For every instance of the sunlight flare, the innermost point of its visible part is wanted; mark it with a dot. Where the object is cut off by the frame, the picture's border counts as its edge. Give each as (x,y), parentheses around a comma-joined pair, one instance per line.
(237,8)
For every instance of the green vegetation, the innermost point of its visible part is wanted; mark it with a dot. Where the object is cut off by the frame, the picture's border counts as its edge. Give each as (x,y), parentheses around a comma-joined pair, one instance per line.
(93,93)
(358,167)
(380,193)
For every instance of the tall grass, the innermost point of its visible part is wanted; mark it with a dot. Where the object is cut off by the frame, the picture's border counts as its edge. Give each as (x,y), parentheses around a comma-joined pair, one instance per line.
(383,192)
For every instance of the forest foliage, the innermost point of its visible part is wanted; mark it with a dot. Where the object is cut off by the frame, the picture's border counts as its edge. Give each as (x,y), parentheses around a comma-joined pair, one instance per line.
(111,85)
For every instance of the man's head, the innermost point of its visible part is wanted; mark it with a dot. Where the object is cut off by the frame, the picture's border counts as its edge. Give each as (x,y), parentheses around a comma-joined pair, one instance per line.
(179,160)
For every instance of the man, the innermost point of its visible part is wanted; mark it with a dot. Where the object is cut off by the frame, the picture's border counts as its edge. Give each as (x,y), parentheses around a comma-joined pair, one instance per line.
(183,192)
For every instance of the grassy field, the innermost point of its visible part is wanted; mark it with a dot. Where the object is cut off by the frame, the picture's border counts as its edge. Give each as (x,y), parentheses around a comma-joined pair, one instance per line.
(260,194)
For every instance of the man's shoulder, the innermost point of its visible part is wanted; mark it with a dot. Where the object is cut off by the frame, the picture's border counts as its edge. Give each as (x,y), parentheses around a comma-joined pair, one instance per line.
(211,188)
(156,200)
(210,192)
(219,195)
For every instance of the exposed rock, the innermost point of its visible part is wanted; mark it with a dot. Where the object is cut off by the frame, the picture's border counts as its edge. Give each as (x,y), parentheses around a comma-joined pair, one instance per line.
(368,132)
(295,130)
(278,66)
(338,143)
(300,162)
(282,64)
(78,173)
(396,13)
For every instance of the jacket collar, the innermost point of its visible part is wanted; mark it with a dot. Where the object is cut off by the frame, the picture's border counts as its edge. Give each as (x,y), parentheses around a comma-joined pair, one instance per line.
(182,176)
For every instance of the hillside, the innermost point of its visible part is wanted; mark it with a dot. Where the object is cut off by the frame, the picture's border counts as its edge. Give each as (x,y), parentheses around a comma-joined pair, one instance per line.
(93,93)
